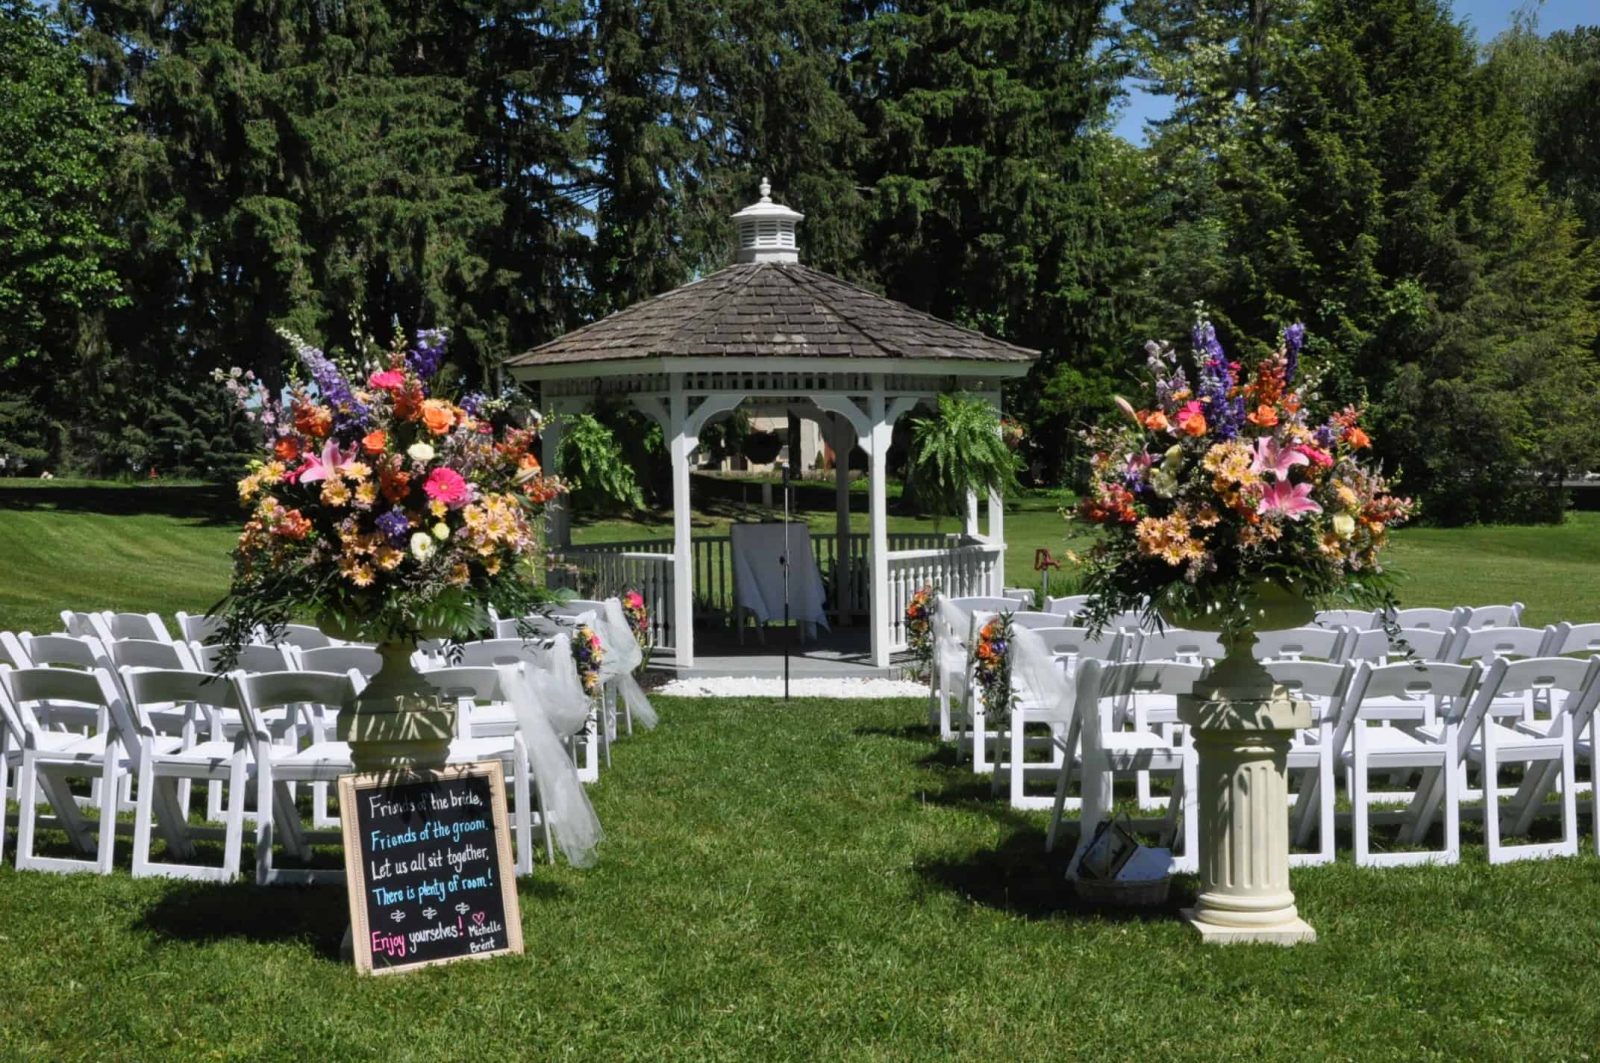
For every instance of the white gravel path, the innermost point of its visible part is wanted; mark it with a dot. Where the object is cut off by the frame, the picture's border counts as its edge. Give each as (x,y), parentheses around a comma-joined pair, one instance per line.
(741,687)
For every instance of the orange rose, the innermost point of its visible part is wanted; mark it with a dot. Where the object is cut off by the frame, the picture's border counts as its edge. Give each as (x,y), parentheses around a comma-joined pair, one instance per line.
(1194,424)
(1157,422)
(286,449)
(1264,417)
(374,441)
(438,416)
(1357,439)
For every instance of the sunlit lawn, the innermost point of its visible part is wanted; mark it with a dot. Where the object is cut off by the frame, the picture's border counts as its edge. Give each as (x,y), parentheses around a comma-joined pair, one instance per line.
(815,880)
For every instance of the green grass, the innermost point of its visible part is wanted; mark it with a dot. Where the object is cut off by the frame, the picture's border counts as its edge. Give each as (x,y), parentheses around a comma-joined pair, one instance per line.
(70,545)
(816,880)
(813,881)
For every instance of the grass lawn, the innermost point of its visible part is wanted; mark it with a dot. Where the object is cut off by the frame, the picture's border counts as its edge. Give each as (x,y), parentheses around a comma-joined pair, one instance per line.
(816,880)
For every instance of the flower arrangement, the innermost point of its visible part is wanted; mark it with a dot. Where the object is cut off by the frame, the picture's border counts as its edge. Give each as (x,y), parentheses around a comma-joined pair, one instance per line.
(919,631)
(1225,479)
(638,617)
(992,666)
(381,509)
(588,654)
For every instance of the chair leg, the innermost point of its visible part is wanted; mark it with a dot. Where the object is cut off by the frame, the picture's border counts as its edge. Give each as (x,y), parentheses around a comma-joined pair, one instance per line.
(1060,803)
(519,789)
(266,815)
(1358,808)
(108,811)
(233,836)
(143,810)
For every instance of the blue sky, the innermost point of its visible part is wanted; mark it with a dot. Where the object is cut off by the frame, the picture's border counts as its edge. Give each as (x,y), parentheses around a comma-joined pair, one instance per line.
(1486,17)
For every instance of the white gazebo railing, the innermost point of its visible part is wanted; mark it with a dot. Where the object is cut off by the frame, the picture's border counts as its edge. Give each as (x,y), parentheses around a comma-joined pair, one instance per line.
(966,568)
(957,564)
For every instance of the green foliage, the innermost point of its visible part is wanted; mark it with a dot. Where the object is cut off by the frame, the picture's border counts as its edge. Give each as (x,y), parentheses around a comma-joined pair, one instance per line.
(56,141)
(590,460)
(959,450)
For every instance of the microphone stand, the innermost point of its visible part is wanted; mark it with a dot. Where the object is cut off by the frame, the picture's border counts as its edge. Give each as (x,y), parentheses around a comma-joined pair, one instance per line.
(788,636)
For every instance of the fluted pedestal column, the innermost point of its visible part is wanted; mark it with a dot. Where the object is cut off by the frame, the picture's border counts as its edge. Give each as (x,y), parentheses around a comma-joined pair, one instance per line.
(398,722)
(1243,747)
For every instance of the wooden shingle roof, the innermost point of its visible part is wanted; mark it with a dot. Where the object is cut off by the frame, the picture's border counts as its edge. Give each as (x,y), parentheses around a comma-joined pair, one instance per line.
(778,309)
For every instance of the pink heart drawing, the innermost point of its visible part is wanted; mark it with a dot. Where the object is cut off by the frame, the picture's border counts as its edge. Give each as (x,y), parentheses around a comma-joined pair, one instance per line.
(477,917)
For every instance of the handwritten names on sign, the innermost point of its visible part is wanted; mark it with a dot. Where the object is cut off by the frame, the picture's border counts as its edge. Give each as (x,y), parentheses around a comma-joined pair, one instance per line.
(428,863)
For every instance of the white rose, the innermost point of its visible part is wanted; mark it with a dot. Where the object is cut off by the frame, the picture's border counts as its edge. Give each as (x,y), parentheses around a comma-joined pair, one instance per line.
(420,452)
(1344,525)
(422,546)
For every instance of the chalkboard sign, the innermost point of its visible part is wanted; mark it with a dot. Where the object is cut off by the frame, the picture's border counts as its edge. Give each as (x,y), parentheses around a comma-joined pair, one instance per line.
(428,862)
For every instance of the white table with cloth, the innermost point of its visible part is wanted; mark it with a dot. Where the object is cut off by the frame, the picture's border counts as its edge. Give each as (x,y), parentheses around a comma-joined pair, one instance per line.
(758,551)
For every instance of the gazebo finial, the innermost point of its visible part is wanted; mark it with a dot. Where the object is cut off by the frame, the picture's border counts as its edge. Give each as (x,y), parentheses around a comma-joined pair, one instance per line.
(766,230)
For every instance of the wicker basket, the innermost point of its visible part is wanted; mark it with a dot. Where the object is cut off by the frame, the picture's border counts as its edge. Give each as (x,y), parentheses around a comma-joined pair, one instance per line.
(1139,893)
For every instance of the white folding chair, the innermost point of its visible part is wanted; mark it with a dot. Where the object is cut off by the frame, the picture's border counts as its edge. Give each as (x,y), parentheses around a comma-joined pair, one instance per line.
(1069,646)
(1546,752)
(1428,619)
(301,636)
(47,761)
(1430,750)
(1356,619)
(1101,753)
(1069,605)
(1309,643)
(198,627)
(113,626)
(82,653)
(251,657)
(479,688)
(349,658)
(1312,751)
(1575,638)
(277,766)
(217,762)
(1481,616)
(1037,620)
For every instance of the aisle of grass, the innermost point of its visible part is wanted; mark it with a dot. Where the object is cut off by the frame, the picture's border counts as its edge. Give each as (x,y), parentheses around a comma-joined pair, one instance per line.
(812,881)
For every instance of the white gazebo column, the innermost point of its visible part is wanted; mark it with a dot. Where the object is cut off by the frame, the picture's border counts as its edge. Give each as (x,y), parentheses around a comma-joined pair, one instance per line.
(997,536)
(681,443)
(877,493)
(844,440)
(969,523)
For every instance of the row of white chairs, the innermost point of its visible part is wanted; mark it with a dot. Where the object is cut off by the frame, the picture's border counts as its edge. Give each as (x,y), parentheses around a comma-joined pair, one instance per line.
(1479,729)
(145,717)
(1147,717)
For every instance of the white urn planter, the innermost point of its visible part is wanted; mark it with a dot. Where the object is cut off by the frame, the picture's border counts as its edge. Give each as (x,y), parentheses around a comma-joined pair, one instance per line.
(398,722)
(1242,725)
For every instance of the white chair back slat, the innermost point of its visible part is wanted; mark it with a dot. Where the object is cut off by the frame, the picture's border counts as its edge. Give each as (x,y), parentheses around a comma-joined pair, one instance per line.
(1070,605)
(1356,619)
(1471,645)
(252,657)
(1430,619)
(1482,616)
(1301,643)
(1575,638)
(150,653)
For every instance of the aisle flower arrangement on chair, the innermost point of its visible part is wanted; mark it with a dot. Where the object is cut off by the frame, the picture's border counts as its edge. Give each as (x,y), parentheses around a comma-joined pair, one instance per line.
(588,653)
(919,631)
(992,666)
(1222,478)
(382,509)
(637,615)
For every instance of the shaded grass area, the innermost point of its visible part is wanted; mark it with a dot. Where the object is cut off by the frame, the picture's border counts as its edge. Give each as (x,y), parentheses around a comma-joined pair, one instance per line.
(814,881)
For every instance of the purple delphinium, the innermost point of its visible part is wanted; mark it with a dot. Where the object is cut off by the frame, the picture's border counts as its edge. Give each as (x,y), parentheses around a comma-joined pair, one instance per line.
(1223,414)
(350,414)
(394,526)
(1134,471)
(473,402)
(1324,436)
(1294,337)
(428,354)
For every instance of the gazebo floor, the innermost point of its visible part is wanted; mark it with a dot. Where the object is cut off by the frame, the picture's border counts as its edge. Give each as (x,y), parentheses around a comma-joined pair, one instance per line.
(844,653)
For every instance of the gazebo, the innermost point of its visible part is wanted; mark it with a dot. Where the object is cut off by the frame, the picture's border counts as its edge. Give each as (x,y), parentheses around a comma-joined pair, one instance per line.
(778,338)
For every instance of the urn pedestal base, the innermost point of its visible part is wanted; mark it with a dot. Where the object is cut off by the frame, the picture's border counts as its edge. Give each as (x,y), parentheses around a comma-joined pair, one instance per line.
(398,722)
(1242,747)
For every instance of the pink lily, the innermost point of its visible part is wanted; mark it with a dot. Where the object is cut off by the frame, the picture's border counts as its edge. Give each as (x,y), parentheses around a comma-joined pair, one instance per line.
(1270,457)
(316,468)
(1292,500)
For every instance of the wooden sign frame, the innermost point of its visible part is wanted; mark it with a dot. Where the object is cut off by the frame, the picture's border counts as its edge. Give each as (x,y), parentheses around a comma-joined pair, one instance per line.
(351,786)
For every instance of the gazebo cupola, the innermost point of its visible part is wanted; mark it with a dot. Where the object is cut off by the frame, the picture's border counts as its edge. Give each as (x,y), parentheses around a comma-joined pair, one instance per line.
(766,230)
(777,337)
